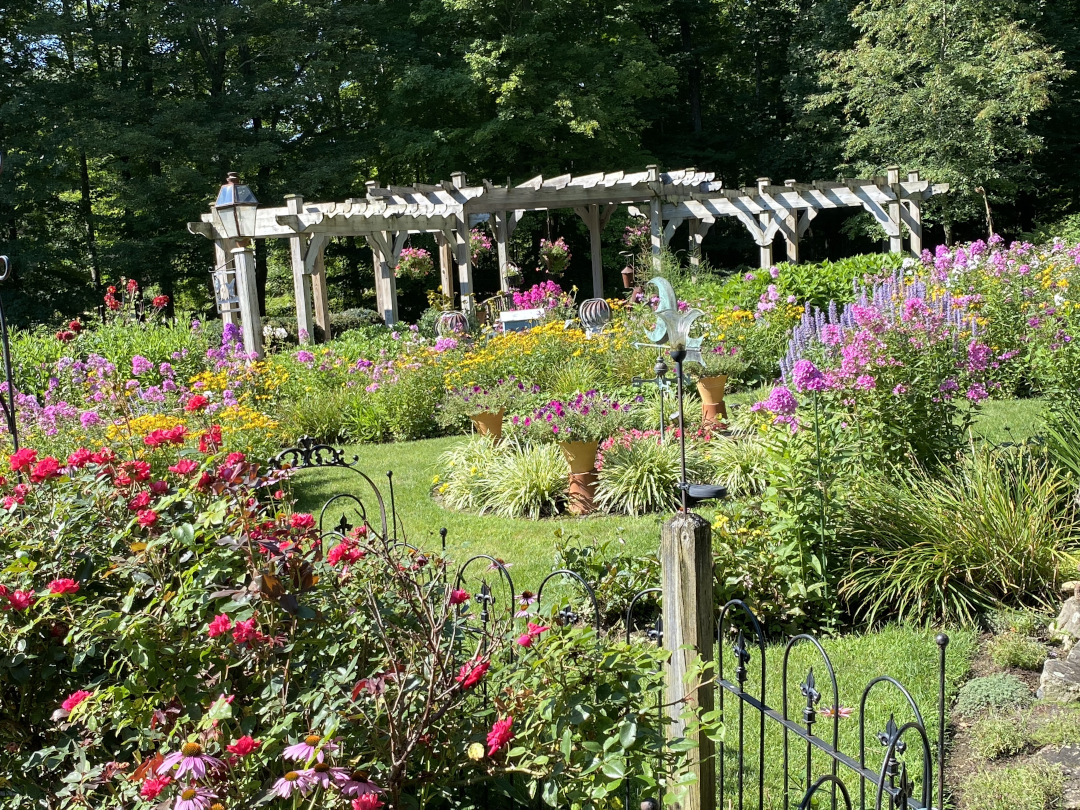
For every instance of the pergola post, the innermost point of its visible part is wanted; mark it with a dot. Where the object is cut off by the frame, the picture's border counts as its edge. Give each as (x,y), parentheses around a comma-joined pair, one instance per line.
(791,230)
(464,252)
(385,278)
(504,224)
(298,249)
(250,320)
(914,220)
(896,240)
(320,298)
(222,261)
(446,264)
(766,243)
(596,219)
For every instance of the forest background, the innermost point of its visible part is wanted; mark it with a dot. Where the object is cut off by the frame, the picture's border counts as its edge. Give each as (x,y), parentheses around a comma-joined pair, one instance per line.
(119,118)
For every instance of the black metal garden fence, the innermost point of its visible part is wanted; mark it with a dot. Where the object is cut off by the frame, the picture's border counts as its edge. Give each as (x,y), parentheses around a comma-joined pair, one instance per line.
(893,767)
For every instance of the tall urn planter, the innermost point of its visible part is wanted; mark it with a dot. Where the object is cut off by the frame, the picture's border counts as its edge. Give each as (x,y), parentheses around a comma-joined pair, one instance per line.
(581,456)
(713,409)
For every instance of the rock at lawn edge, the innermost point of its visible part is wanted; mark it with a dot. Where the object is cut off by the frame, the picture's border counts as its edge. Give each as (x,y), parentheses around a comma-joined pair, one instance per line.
(1068,621)
(1061,678)
(1068,759)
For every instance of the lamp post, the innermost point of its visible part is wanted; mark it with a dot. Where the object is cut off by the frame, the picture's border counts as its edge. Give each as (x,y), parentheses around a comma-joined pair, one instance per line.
(235,210)
(234,215)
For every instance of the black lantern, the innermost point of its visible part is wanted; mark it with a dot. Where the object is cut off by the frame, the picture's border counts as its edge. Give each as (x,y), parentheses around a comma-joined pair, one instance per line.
(235,209)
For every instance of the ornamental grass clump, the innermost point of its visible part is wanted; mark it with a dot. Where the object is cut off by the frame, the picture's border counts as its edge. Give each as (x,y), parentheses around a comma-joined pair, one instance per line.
(524,480)
(640,473)
(587,417)
(991,532)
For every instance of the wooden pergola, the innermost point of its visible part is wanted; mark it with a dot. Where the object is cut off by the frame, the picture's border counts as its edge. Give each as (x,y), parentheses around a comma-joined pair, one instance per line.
(387,217)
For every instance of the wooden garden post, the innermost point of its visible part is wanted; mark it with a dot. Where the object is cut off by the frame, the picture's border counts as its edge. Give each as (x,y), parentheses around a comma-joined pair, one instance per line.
(382,246)
(686,581)
(464,252)
(764,218)
(915,219)
(656,220)
(319,295)
(896,239)
(596,218)
(446,264)
(250,320)
(298,250)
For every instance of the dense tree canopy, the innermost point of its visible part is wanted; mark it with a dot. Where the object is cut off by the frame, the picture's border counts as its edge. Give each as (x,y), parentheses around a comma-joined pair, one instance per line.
(120,117)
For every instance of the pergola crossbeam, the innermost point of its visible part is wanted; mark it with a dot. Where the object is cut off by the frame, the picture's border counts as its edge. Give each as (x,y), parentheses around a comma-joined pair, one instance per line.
(386,216)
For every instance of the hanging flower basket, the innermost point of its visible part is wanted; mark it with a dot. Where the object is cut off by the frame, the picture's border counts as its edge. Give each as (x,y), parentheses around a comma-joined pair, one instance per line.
(415,263)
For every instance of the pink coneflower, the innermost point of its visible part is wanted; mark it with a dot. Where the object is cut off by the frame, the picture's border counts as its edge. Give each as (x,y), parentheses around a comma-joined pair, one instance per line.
(304,751)
(290,782)
(836,711)
(190,759)
(322,775)
(194,798)
(356,784)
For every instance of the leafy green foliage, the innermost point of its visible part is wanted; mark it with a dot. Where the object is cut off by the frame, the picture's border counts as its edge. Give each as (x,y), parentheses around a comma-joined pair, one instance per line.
(615,573)
(997,736)
(994,692)
(1030,786)
(1012,650)
(947,90)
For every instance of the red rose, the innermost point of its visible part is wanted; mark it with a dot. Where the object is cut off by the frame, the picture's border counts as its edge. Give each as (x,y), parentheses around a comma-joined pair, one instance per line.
(64,336)
(471,672)
(62,586)
(160,302)
(243,746)
(75,327)
(184,466)
(45,469)
(80,458)
(219,626)
(146,518)
(196,403)
(75,699)
(22,459)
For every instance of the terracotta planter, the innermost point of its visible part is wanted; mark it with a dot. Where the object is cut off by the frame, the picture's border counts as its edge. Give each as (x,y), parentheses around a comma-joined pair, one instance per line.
(628,277)
(711,390)
(489,423)
(583,493)
(581,456)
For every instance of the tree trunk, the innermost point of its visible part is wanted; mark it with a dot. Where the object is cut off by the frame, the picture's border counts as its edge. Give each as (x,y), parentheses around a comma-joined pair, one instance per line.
(88,218)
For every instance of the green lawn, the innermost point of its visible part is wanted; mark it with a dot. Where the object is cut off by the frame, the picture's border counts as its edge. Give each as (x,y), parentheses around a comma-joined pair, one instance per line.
(525,544)
(528,544)
(905,653)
